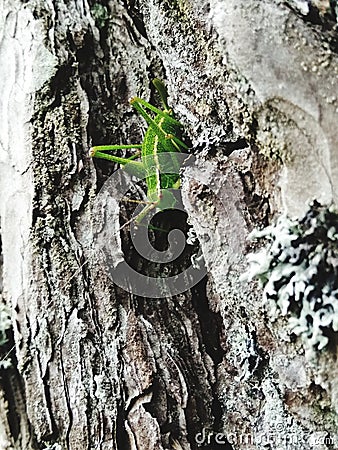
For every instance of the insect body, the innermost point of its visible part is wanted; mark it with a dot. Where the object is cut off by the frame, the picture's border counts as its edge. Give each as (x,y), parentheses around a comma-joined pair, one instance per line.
(159,164)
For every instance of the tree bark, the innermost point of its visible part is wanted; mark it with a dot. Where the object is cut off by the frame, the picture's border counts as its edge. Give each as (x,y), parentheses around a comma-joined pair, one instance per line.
(94,365)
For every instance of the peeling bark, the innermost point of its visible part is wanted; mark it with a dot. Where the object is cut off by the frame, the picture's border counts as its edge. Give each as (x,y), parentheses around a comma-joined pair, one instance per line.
(92,365)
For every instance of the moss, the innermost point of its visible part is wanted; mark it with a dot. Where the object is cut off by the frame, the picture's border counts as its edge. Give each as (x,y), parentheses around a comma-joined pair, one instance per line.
(298,269)
(180,9)
(273,134)
(100,14)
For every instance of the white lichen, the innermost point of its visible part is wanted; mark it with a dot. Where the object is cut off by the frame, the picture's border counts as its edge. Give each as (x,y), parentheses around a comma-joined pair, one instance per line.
(5,323)
(298,270)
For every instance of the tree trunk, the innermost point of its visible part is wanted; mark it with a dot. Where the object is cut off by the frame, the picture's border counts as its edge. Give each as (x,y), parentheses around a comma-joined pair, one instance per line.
(91,361)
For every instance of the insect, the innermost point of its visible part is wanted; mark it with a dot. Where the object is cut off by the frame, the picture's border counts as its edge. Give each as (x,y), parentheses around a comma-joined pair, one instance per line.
(159,164)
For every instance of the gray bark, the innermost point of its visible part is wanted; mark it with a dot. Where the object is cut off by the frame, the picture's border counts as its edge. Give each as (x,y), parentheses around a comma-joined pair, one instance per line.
(92,365)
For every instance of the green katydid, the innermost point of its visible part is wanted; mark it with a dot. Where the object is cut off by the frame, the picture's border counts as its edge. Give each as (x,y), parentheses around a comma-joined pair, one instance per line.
(162,136)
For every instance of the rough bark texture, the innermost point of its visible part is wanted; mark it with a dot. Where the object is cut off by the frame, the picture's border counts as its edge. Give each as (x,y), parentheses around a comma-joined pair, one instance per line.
(255,83)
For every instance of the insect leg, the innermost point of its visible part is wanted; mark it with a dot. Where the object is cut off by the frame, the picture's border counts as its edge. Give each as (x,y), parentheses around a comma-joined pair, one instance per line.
(136,102)
(162,90)
(135,168)
(140,216)
(177,142)
(131,200)
(162,135)
(105,148)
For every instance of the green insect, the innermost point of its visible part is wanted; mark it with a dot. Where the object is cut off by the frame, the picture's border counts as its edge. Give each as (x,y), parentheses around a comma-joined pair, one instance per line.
(159,165)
